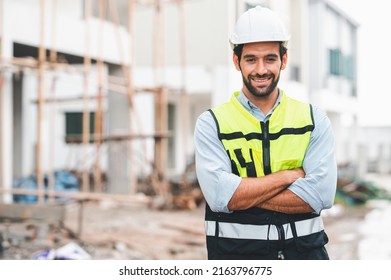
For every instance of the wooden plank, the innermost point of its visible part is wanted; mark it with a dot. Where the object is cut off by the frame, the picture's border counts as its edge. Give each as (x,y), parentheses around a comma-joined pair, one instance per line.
(86,98)
(47,212)
(143,199)
(41,94)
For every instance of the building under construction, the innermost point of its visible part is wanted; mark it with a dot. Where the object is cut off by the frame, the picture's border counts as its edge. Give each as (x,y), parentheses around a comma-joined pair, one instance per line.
(72,100)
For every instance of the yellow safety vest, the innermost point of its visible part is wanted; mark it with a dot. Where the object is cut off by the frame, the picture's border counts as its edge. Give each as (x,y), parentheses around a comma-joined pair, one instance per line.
(260,148)
(256,149)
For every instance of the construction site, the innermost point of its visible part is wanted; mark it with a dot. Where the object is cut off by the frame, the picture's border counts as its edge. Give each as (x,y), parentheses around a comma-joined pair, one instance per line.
(107,154)
(98,101)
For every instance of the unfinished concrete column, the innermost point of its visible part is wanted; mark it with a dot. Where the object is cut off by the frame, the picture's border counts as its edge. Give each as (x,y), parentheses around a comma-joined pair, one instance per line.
(382,162)
(362,164)
(122,167)
(389,159)
(117,120)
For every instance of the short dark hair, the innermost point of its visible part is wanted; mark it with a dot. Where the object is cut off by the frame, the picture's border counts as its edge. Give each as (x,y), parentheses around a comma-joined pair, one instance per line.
(239,49)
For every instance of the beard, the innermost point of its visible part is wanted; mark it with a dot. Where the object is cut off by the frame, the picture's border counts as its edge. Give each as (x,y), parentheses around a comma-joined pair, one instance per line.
(261,92)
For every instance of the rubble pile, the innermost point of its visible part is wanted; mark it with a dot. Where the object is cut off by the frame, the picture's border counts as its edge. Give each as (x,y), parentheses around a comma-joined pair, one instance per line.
(352,191)
(109,231)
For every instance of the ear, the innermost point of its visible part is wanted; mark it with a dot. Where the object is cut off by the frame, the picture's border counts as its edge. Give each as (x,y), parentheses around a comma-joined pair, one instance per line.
(236,61)
(284,61)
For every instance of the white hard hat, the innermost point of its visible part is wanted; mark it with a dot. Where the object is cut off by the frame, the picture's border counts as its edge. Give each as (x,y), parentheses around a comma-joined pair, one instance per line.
(259,24)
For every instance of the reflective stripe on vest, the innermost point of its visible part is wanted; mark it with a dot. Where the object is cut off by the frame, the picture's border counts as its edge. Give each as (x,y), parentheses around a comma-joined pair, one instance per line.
(263,232)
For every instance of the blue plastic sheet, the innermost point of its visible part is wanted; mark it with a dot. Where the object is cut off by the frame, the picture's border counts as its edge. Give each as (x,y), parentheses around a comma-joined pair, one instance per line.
(64,182)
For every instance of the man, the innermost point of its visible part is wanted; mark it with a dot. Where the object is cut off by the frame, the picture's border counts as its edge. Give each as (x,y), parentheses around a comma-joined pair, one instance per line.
(265,162)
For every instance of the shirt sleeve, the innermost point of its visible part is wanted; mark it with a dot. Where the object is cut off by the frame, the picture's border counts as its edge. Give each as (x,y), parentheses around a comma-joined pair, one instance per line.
(319,185)
(213,167)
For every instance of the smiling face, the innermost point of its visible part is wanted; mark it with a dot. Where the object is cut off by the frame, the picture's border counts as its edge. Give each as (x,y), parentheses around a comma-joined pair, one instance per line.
(260,65)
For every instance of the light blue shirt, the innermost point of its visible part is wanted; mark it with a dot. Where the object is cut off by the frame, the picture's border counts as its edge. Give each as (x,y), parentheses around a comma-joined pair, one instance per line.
(218,183)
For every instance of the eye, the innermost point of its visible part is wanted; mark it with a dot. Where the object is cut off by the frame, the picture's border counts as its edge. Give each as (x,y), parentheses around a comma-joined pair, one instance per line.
(250,59)
(271,58)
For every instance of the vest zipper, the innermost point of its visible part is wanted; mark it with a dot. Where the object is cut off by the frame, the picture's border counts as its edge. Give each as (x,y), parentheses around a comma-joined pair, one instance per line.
(266,148)
(281,240)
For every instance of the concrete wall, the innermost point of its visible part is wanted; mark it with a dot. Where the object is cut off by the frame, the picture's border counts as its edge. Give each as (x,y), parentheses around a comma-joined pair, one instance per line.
(24,27)
(60,155)
(375,149)
(206,25)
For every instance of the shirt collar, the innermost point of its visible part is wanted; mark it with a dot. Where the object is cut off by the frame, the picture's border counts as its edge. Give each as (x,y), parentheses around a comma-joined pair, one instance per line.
(254,110)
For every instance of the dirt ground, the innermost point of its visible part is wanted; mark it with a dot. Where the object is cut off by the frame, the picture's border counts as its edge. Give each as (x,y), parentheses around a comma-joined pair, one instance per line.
(114,231)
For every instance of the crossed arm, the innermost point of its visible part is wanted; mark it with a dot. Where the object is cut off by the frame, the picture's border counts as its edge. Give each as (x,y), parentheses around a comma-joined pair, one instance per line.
(270,192)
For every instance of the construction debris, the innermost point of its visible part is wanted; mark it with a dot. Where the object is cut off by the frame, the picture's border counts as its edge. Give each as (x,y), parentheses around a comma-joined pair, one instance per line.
(70,251)
(125,232)
(358,192)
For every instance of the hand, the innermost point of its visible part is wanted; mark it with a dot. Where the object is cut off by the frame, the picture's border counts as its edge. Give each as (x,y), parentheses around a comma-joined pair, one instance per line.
(293,174)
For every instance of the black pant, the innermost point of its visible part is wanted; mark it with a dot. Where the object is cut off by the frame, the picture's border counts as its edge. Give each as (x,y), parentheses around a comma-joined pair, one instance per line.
(309,247)
(314,254)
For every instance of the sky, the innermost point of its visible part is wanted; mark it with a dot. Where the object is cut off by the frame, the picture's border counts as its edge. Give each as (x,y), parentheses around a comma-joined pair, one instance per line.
(374,58)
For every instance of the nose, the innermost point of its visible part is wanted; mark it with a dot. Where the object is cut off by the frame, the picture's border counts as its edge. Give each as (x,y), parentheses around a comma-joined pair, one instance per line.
(260,68)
